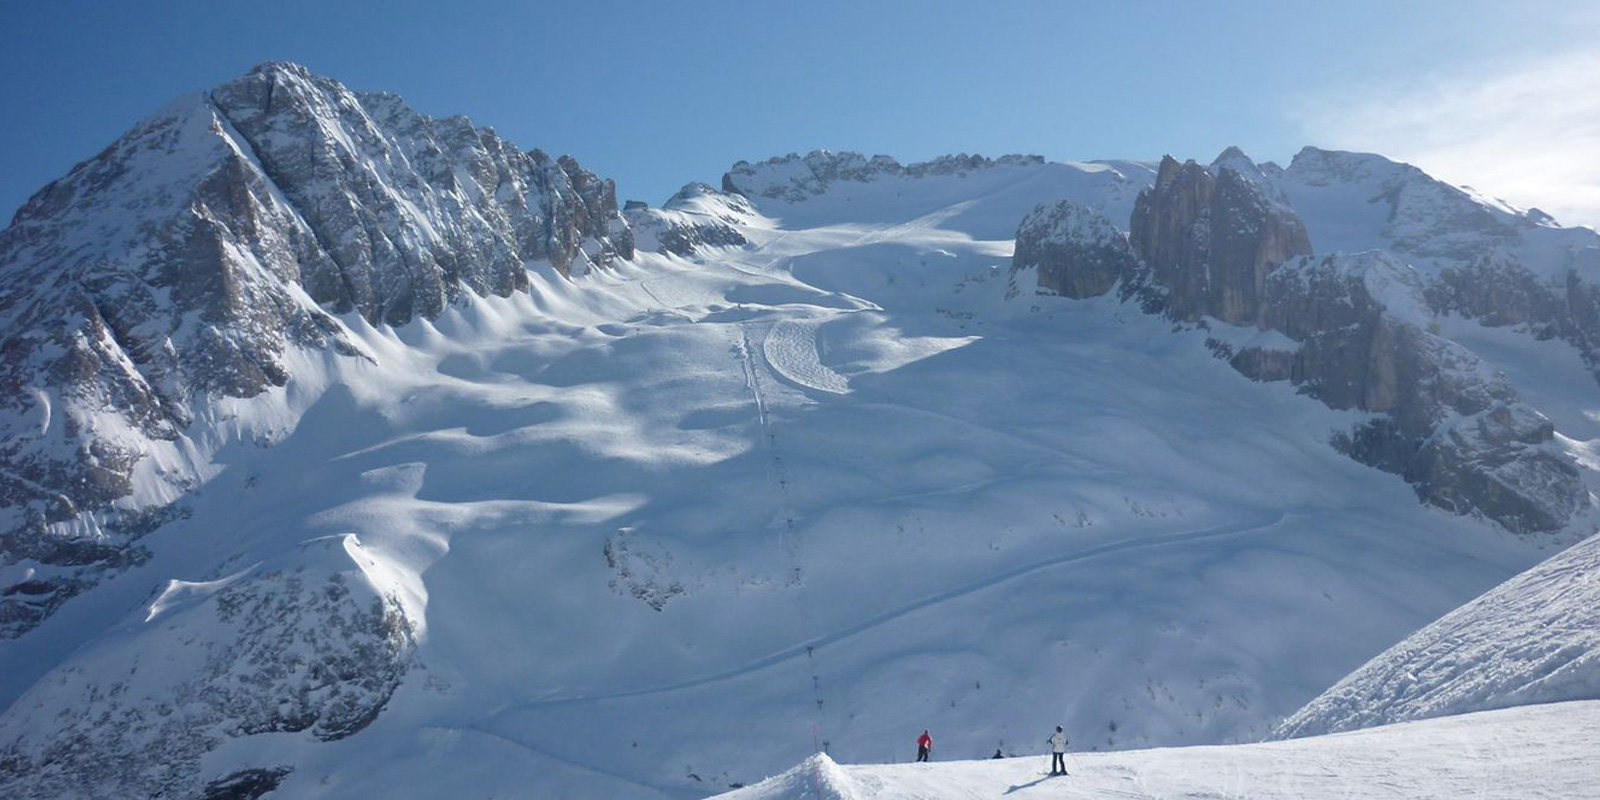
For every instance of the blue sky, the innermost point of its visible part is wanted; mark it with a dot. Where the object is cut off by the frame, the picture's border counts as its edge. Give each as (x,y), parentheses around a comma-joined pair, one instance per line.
(659,94)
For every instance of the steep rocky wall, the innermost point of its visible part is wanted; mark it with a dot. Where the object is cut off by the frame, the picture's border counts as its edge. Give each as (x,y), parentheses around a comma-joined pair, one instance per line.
(1452,427)
(1078,252)
(1221,244)
(1212,239)
(190,257)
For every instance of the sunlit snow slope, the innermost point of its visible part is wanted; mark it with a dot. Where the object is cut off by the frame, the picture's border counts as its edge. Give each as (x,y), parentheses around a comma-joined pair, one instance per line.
(660,529)
(1533,639)
(1516,754)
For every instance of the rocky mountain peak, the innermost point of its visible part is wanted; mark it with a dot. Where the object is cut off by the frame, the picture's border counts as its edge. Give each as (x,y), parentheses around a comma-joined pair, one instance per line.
(695,218)
(188,260)
(1213,238)
(288,68)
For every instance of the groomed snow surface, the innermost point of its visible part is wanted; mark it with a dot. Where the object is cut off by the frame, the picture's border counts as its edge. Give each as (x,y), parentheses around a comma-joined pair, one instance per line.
(1516,754)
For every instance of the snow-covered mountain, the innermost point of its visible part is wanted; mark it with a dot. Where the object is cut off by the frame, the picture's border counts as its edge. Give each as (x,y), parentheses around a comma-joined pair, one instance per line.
(350,452)
(194,260)
(1534,639)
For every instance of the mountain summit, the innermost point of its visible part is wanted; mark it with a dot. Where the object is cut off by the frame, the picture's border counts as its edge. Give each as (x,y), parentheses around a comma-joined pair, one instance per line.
(210,247)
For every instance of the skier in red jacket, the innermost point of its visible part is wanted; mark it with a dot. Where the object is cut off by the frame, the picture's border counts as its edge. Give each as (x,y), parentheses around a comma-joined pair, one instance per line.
(924,746)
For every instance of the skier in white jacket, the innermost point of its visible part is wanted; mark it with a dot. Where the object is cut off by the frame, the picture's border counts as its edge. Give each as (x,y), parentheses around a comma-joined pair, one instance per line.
(1058,752)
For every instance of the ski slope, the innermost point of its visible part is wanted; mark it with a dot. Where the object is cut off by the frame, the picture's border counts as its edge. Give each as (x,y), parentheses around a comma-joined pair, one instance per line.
(1516,754)
(1533,639)
(664,528)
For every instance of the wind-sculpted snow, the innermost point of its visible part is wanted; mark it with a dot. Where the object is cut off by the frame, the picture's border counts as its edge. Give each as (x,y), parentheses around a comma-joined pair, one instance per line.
(1533,639)
(201,256)
(1502,755)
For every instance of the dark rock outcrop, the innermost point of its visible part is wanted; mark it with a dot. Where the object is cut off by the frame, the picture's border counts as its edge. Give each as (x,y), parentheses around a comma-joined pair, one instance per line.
(1212,239)
(1453,427)
(1077,251)
(246,784)
(1500,291)
(1222,243)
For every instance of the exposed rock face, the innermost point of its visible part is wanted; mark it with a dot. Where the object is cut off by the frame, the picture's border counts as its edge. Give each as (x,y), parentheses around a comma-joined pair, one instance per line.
(1212,239)
(1358,318)
(1452,427)
(695,218)
(1499,290)
(1481,258)
(310,644)
(1078,252)
(1223,243)
(190,257)
(411,210)
(795,177)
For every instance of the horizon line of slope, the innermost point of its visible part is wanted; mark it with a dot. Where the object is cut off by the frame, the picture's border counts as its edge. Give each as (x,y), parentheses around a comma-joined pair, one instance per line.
(1518,753)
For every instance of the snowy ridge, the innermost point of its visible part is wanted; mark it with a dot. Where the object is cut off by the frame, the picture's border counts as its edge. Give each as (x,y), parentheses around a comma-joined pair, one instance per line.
(795,177)
(1067,221)
(1533,639)
(698,217)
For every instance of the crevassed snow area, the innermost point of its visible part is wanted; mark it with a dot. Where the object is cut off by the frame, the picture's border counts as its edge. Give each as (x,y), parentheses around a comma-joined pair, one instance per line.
(1515,754)
(1533,639)
(674,526)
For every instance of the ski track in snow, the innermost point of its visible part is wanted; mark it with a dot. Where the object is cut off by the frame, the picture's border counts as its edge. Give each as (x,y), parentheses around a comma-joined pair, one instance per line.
(780,478)
(803,648)
(514,741)
(791,348)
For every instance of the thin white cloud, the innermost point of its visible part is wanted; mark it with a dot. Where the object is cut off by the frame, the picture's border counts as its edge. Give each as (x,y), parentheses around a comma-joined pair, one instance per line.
(1527,132)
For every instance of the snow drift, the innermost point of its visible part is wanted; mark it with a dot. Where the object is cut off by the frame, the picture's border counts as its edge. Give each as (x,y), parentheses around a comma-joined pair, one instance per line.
(1533,639)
